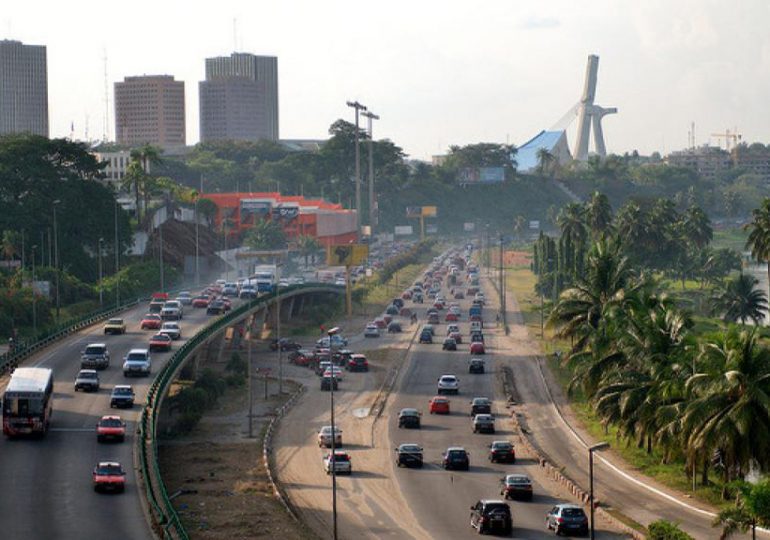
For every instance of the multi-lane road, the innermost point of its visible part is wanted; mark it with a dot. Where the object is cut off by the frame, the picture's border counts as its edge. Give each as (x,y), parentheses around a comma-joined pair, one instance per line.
(46,484)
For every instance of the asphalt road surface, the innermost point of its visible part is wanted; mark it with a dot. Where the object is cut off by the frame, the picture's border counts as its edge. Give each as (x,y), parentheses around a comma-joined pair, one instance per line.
(46,483)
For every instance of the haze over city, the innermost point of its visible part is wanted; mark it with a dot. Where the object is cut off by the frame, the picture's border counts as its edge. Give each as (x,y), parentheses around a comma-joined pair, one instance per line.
(426,67)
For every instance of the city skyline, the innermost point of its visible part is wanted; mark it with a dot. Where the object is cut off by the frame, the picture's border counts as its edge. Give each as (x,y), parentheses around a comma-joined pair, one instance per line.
(425,70)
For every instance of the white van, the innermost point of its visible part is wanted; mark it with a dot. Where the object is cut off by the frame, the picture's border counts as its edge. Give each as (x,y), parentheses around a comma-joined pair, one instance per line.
(476,326)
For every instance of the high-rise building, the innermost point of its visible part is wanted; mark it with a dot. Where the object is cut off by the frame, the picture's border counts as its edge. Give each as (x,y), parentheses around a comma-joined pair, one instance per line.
(150,110)
(23,88)
(239,98)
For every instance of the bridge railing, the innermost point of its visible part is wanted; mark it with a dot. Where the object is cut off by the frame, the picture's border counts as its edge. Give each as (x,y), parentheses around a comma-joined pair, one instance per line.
(164,514)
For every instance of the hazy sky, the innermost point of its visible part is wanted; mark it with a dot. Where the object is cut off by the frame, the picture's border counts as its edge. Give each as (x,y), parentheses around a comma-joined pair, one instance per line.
(437,72)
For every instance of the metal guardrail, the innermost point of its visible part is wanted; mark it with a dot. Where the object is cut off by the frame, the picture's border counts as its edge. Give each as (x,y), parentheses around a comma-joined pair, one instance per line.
(163,511)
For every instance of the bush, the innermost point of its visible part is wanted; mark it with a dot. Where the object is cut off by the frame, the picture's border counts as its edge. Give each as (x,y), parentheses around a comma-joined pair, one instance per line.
(237,365)
(665,530)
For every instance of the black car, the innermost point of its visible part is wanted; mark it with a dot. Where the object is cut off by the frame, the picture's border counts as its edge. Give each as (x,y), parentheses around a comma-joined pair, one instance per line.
(122,396)
(481,405)
(285,344)
(426,336)
(398,302)
(491,516)
(328,382)
(502,452)
(392,310)
(217,307)
(456,458)
(409,418)
(449,344)
(476,365)
(394,328)
(409,455)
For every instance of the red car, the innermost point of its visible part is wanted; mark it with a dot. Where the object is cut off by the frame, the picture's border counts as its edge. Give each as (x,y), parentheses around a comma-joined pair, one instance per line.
(379,322)
(438,304)
(160,342)
(476,317)
(110,427)
(151,321)
(407,295)
(163,296)
(477,348)
(439,405)
(457,336)
(302,357)
(388,318)
(109,476)
(451,317)
(201,301)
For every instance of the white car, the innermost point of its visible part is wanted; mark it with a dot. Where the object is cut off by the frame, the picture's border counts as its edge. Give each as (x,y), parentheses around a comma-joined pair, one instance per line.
(171,329)
(325,436)
(333,371)
(451,328)
(371,331)
(184,298)
(341,462)
(137,362)
(448,384)
(172,310)
(476,326)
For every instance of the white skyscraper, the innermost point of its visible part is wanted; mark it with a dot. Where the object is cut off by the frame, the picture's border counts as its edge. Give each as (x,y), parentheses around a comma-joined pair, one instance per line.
(23,88)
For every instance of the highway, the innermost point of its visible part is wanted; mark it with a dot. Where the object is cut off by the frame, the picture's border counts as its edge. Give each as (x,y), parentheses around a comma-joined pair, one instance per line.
(47,491)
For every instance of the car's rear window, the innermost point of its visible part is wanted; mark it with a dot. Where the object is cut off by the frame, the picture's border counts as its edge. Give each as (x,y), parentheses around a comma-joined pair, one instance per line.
(109,470)
(497,508)
(572,512)
(122,391)
(341,457)
(93,349)
(110,422)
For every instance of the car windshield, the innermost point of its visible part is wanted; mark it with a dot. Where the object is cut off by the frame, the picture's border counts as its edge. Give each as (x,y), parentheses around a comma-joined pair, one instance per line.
(111,422)
(115,321)
(94,350)
(572,512)
(136,357)
(341,457)
(502,446)
(410,448)
(409,412)
(87,375)
(457,454)
(122,392)
(109,470)
(481,401)
(517,480)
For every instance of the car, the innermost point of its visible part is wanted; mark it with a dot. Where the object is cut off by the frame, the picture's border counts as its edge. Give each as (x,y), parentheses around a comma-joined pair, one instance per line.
(302,357)
(87,380)
(394,328)
(426,336)
(477,337)
(430,328)
(483,423)
(438,405)
(502,452)
(115,326)
(380,322)
(151,321)
(516,486)
(392,310)
(340,461)
(159,297)
(450,328)
(567,518)
(110,427)
(433,318)
(448,384)
(216,307)
(329,383)
(481,405)
(409,418)
(456,458)
(285,344)
(248,292)
(476,326)
(475,317)
(171,329)
(184,298)
(172,311)
(333,371)
(95,356)
(227,303)
(451,317)
(409,455)
(109,476)
(372,331)
(489,516)
(398,302)
(476,365)
(405,312)
(322,365)
(357,362)
(417,298)
(406,295)
(325,437)
(160,342)
(122,397)
(459,294)
(137,362)
(449,344)
(342,357)
(337,340)
(230,289)
(477,348)
(438,304)
(201,301)
(457,336)
(156,306)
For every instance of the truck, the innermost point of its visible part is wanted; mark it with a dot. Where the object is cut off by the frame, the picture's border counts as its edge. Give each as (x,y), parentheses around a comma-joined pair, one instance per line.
(264,278)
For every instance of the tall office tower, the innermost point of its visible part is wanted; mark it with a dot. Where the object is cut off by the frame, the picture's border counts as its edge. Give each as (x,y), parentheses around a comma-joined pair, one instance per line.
(23,88)
(239,98)
(150,110)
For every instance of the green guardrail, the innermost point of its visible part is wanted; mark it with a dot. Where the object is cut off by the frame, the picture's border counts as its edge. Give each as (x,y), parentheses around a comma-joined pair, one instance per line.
(163,510)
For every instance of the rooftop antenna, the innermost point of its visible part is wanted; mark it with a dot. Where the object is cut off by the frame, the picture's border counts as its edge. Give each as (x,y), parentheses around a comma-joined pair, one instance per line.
(106,123)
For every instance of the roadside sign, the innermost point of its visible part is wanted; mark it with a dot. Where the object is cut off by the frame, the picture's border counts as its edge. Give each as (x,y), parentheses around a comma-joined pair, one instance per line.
(347,254)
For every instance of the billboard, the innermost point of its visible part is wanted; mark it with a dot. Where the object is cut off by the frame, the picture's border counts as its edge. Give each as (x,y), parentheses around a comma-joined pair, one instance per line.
(413,211)
(253,209)
(347,254)
(534,224)
(429,211)
(469,226)
(431,228)
(481,175)
(402,230)
(285,212)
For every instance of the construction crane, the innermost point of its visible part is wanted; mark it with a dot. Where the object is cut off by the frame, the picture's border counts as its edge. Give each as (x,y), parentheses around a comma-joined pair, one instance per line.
(728,136)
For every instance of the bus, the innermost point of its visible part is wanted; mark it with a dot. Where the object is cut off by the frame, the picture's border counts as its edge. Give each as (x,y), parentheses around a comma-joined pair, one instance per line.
(28,402)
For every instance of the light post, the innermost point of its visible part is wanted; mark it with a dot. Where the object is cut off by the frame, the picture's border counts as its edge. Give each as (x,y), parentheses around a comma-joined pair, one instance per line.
(334,331)
(372,215)
(591,450)
(197,241)
(56,257)
(358,107)
(101,287)
(502,290)
(160,243)
(117,259)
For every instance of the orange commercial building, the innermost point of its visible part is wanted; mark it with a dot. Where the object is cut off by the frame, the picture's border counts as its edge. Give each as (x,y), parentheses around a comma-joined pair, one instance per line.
(327,222)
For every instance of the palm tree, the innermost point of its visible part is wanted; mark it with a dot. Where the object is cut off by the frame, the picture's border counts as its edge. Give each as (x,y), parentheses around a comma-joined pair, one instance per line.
(571,221)
(696,227)
(759,237)
(138,173)
(134,181)
(266,235)
(740,300)
(598,214)
(751,509)
(545,161)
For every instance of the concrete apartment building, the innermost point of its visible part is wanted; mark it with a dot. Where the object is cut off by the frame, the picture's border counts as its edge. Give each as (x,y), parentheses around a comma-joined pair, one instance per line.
(150,110)
(707,161)
(23,88)
(239,98)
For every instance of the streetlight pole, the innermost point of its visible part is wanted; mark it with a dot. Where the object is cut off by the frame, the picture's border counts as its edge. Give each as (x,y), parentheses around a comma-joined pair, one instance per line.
(56,257)
(372,214)
(591,450)
(332,333)
(502,291)
(197,240)
(101,287)
(358,107)
(117,258)
(160,243)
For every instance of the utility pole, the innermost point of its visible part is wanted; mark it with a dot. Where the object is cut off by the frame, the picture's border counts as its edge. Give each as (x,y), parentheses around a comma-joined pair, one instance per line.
(117,259)
(331,333)
(358,107)
(372,213)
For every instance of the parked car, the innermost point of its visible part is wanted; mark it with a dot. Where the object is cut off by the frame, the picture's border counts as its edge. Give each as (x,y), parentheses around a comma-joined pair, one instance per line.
(567,518)
(448,384)
(122,396)
(340,461)
(438,405)
(357,362)
(483,423)
(516,486)
(171,329)
(325,437)
(409,455)
(109,476)
(409,418)
(481,405)
(87,380)
(502,452)
(449,344)
(488,516)
(456,458)
(476,365)
(151,321)
(115,326)
(110,427)
(95,356)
